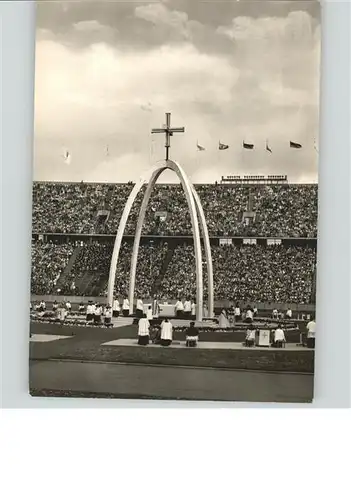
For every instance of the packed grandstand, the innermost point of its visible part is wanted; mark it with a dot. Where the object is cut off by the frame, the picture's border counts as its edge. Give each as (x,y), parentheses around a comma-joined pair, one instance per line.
(263,240)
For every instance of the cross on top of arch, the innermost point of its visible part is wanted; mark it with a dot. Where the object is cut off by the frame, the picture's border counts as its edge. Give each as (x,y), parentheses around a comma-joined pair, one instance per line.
(169,131)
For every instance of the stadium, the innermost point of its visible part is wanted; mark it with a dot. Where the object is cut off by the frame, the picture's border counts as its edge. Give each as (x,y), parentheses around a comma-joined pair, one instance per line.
(262,232)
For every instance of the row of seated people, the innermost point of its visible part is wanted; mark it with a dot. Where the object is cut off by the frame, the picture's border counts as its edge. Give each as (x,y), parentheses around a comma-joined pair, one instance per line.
(282,210)
(95,312)
(247,272)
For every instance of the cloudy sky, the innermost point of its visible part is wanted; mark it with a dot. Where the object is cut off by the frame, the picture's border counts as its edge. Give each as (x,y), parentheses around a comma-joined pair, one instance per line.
(106,73)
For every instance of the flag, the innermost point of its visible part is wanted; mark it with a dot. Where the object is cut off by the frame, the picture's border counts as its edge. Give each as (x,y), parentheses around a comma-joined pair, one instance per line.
(67,157)
(295,145)
(247,146)
(200,148)
(221,146)
(268,148)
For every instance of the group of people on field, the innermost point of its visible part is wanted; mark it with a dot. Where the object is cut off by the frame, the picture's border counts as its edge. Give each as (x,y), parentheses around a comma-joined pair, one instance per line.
(279,340)
(164,334)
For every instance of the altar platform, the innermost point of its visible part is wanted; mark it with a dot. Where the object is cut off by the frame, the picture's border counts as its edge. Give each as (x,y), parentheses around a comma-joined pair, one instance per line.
(128,342)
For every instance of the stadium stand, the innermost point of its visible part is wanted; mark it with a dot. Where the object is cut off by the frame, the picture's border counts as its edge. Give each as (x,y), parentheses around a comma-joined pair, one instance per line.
(279,210)
(74,257)
(48,262)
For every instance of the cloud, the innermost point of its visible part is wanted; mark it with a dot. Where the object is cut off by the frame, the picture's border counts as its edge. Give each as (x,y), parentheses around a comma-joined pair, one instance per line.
(159,15)
(265,86)
(96,96)
(89,25)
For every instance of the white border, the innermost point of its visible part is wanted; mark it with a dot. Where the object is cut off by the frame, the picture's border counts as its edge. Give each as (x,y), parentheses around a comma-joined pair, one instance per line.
(332,387)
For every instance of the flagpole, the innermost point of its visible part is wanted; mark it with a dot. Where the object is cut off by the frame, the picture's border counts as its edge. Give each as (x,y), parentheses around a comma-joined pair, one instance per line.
(243,157)
(151,138)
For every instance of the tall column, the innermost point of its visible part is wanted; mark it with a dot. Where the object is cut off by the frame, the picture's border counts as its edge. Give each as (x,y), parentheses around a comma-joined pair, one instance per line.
(142,212)
(208,255)
(187,187)
(119,236)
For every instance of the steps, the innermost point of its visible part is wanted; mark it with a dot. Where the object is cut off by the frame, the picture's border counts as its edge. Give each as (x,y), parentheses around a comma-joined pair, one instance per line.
(84,281)
(157,284)
(100,281)
(65,273)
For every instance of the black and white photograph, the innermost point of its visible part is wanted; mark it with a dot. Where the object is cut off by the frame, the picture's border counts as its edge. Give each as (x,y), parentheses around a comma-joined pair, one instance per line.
(175,200)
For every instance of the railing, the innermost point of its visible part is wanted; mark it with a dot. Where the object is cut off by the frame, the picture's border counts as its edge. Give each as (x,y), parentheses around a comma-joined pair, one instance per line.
(185,236)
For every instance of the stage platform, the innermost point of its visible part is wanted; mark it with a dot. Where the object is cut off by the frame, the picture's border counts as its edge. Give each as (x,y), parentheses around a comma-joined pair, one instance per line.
(201,345)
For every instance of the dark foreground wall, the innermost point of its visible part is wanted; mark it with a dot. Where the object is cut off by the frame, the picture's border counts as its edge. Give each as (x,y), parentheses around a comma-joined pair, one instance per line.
(284,360)
(111,380)
(248,359)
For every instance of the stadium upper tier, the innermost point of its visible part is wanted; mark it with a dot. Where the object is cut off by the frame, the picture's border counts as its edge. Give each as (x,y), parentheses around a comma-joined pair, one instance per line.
(287,210)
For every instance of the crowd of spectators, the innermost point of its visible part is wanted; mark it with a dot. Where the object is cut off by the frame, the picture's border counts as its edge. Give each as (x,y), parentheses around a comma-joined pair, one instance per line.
(90,272)
(279,210)
(252,273)
(246,272)
(48,262)
(285,210)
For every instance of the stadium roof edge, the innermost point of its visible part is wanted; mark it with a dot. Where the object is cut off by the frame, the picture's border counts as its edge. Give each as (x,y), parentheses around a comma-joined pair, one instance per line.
(173,183)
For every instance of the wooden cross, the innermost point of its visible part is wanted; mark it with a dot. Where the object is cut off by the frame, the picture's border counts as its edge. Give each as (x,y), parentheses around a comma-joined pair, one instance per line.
(168,131)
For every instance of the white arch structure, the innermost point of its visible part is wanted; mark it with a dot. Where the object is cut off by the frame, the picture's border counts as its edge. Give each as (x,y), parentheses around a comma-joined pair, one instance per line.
(196,213)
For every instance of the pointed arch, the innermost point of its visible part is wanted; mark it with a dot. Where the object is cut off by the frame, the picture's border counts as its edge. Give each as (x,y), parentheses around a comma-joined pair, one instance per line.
(196,211)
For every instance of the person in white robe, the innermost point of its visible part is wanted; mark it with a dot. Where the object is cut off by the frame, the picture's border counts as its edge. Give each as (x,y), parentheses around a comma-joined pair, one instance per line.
(255,311)
(81,307)
(279,337)
(187,308)
(68,306)
(166,333)
(193,310)
(62,314)
(223,321)
(143,331)
(107,316)
(237,312)
(125,307)
(275,314)
(311,333)
(149,314)
(155,308)
(250,337)
(90,312)
(139,309)
(54,305)
(179,309)
(249,315)
(116,308)
(42,306)
(288,313)
(97,314)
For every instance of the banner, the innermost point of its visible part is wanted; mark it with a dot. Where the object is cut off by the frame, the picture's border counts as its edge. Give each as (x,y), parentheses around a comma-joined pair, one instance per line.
(264,338)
